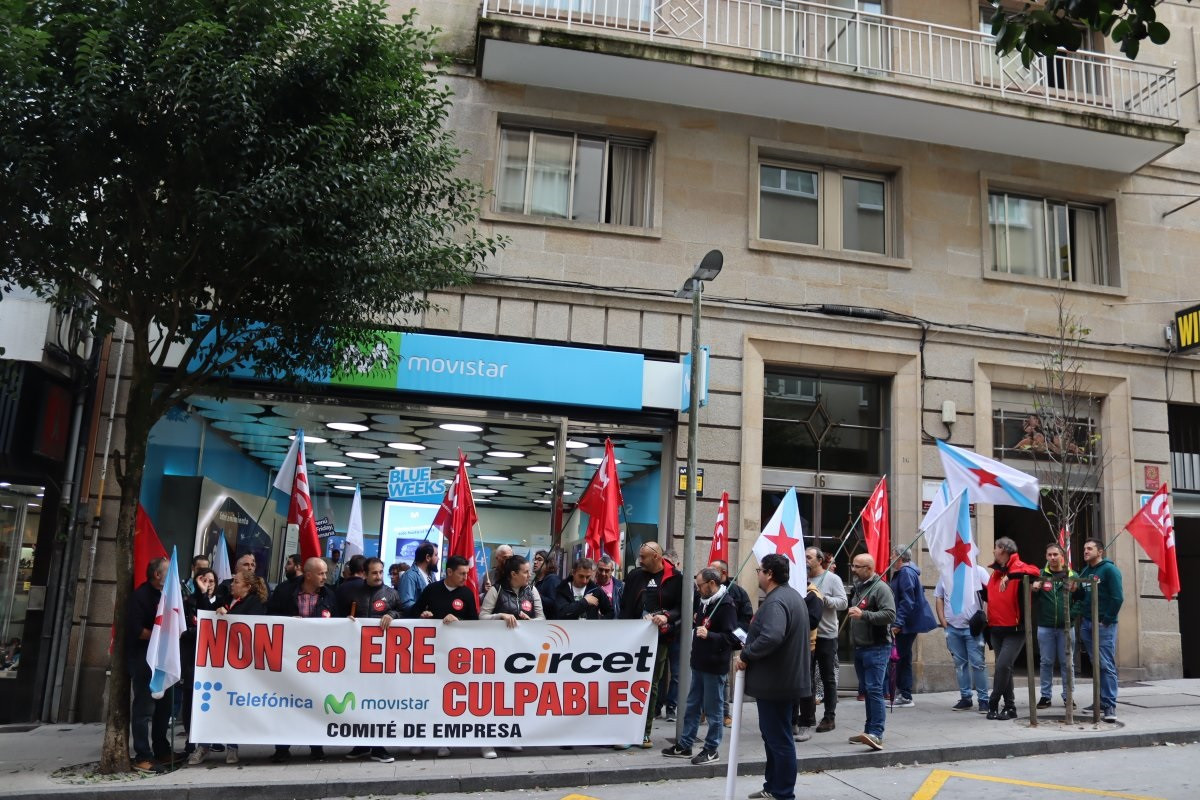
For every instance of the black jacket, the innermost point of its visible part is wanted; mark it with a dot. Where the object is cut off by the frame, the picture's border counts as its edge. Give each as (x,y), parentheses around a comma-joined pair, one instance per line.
(777,652)
(547,589)
(568,607)
(651,593)
(440,600)
(712,653)
(249,605)
(344,590)
(741,603)
(283,600)
(140,611)
(373,603)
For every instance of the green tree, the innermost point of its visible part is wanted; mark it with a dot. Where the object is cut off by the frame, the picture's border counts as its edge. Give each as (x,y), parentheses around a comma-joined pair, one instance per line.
(246,182)
(1038,29)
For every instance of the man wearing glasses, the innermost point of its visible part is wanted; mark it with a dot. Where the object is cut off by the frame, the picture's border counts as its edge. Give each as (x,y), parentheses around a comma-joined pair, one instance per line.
(872,611)
(776,660)
(610,585)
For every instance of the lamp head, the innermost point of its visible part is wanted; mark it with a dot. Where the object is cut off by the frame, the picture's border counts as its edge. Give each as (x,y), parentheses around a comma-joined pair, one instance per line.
(709,266)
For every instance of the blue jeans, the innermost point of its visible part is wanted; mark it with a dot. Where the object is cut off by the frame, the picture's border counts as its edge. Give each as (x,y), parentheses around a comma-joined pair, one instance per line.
(1052,646)
(707,692)
(969,664)
(1108,659)
(871,663)
(904,669)
(775,725)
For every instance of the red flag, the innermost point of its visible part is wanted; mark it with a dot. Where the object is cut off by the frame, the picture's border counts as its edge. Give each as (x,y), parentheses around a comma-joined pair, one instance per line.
(719,549)
(602,502)
(300,510)
(146,546)
(458,522)
(877,528)
(1154,529)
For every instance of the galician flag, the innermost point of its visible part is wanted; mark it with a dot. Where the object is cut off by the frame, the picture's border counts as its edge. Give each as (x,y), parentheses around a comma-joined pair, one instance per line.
(354,528)
(163,652)
(986,480)
(953,550)
(220,560)
(936,506)
(784,535)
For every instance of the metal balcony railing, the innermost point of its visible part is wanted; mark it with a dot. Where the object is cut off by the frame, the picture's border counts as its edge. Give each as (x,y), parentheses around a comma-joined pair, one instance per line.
(790,31)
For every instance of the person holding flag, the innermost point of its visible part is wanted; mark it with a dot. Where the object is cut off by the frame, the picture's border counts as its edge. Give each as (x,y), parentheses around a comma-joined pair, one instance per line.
(872,610)
(149,716)
(1107,579)
(654,592)
(1006,623)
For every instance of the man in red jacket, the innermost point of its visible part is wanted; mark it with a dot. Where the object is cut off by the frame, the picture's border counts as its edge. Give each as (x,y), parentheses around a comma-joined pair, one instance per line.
(1005,623)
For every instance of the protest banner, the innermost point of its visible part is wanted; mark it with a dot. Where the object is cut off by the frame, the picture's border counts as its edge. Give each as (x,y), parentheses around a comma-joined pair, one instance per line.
(284,680)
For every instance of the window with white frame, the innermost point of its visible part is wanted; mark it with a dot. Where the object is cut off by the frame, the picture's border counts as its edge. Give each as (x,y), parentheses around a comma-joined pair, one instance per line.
(1041,237)
(580,177)
(828,207)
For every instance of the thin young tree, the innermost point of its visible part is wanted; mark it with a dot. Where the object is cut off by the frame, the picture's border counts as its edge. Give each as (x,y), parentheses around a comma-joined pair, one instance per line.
(230,184)
(1062,438)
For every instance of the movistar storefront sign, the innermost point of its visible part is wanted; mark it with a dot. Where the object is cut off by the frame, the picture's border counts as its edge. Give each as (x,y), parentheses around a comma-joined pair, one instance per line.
(505,370)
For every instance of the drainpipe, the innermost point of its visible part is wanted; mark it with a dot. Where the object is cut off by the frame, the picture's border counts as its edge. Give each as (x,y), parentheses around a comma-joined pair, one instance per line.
(87,591)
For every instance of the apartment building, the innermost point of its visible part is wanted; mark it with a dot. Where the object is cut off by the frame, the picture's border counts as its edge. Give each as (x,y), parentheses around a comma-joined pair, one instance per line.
(899,211)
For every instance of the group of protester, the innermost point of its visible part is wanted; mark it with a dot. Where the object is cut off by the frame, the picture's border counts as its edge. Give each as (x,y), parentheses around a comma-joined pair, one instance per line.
(788,648)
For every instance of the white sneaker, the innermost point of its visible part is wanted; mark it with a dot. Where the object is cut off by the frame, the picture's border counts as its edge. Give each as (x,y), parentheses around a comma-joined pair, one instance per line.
(197,756)
(443,752)
(488,752)
(802,734)
(231,755)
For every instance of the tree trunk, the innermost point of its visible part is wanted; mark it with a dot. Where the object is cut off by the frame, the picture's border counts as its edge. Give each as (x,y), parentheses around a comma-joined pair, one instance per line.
(114,754)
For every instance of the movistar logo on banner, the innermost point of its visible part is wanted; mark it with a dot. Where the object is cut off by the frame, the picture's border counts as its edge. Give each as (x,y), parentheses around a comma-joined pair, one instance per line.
(333,705)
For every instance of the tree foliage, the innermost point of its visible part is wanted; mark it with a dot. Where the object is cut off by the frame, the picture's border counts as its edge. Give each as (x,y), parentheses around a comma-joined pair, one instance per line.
(243,183)
(1038,29)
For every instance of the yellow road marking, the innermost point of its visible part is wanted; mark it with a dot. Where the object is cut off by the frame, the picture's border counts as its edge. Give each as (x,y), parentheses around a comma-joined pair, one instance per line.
(578,797)
(937,780)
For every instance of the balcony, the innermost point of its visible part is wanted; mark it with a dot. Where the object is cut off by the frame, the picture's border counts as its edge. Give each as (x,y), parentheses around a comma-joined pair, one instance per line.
(821,65)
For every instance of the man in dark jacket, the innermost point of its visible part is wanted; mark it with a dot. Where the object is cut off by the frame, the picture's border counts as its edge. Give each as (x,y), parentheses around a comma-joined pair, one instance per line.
(715,620)
(653,592)
(352,585)
(148,717)
(546,581)
(872,611)
(374,599)
(579,597)
(303,595)
(1110,596)
(775,658)
(745,612)
(913,617)
(449,599)
(610,584)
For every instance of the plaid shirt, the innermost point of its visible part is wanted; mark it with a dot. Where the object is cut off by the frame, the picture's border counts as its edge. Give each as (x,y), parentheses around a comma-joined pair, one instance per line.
(306,603)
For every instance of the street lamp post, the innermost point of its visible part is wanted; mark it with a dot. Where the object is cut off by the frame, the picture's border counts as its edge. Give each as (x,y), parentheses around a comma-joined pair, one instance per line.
(708,269)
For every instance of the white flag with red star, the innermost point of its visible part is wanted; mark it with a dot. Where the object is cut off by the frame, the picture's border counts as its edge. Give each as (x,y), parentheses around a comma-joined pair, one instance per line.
(986,480)
(784,535)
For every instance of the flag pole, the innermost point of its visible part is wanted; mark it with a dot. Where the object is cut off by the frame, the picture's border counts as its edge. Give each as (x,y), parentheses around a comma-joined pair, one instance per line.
(735,732)
(879,575)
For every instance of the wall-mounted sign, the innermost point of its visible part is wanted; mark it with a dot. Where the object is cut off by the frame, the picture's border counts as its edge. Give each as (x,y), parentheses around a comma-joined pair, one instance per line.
(1151,476)
(415,486)
(1187,329)
(682,486)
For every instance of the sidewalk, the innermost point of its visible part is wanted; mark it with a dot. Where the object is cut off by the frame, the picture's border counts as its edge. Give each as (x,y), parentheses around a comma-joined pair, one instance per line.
(34,762)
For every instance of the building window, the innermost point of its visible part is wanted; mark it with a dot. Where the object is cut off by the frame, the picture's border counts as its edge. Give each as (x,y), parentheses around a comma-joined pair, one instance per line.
(1046,238)
(823,206)
(573,176)
(823,423)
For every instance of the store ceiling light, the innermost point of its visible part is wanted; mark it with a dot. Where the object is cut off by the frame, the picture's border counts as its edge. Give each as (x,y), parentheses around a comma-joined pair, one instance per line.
(490,478)
(595,462)
(505,454)
(542,502)
(484,491)
(406,446)
(340,477)
(344,486)
(310,439)
(328,464)
(373,456)
(352,427)
(450,462)
(33,505)
(541,468)
(571,444)
(4,484)
(460,427)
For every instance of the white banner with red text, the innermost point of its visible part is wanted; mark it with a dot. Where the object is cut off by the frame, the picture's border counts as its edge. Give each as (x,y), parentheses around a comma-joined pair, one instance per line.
(285,680)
